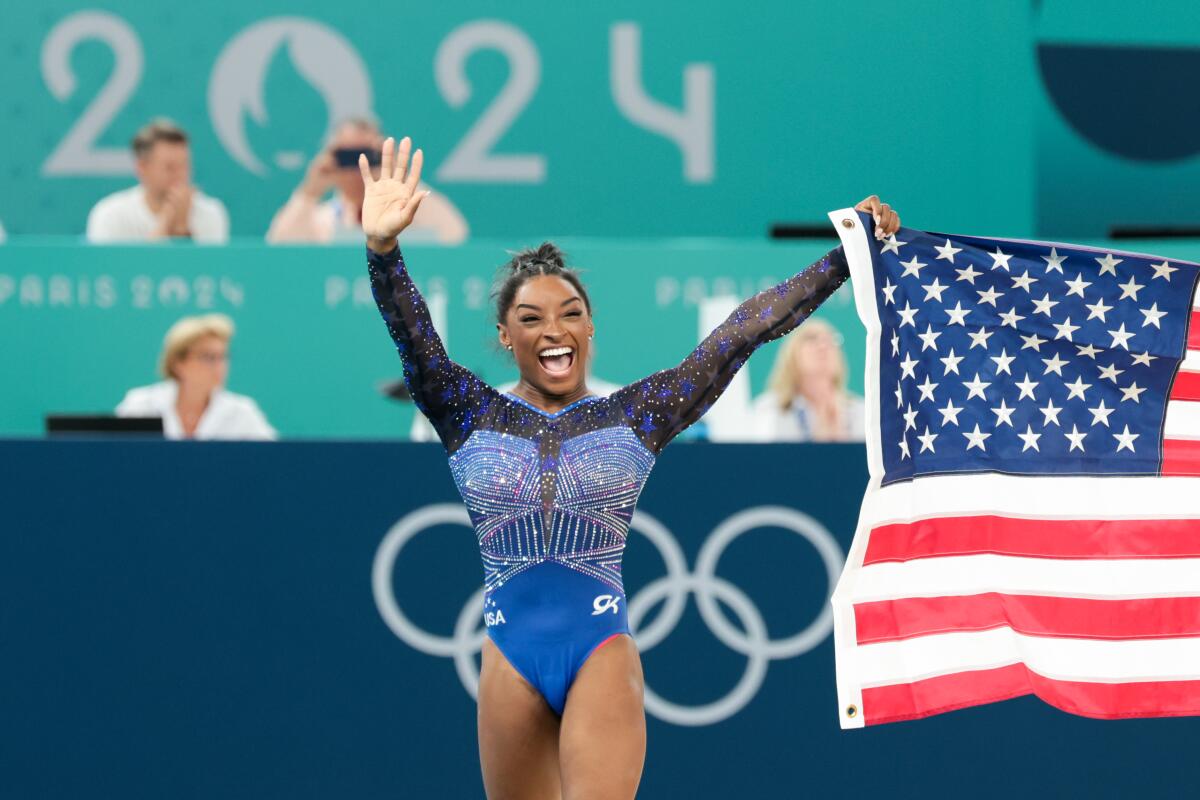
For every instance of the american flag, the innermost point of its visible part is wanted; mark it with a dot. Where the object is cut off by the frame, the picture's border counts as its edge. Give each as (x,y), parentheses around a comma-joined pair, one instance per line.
(1032,525)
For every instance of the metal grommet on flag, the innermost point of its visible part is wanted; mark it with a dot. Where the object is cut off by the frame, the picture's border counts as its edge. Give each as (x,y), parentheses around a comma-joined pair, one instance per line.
(847,223)
(851,711)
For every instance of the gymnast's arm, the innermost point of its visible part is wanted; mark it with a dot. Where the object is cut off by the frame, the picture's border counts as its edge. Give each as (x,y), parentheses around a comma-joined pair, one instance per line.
(659,407)
(450,395)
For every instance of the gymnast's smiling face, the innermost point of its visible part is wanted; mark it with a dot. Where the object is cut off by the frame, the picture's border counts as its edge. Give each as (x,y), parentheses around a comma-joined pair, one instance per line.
(549,329)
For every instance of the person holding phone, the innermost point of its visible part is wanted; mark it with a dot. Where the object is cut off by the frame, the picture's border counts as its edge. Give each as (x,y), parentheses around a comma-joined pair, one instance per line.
(308,217)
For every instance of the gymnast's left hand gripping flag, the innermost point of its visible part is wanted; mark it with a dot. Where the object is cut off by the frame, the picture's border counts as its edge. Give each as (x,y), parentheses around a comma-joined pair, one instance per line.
(1032,524)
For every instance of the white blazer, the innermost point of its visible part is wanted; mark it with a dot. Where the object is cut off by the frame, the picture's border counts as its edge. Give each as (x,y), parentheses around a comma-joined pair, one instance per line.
(124,217)
(228,416)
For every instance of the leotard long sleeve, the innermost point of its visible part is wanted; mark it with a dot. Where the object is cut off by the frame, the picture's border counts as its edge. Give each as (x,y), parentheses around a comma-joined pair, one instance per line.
(551,495)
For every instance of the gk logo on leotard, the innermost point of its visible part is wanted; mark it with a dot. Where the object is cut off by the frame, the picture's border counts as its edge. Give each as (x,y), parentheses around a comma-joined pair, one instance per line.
(668,593)
(604,602)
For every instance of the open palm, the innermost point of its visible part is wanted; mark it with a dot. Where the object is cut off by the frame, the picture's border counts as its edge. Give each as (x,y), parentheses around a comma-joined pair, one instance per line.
(390,201)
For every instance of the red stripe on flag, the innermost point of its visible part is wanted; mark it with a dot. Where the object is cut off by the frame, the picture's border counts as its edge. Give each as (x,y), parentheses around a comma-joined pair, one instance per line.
(1194,332)
(1156,618)
(1037,538)
(963,689)
(1181,457)
(1186,386)
(931,696)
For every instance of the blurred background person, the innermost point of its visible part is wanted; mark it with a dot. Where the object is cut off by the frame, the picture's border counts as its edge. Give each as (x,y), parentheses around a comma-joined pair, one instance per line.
(308,218)
(3,235)
(164,204)
(192,400)
(806,398)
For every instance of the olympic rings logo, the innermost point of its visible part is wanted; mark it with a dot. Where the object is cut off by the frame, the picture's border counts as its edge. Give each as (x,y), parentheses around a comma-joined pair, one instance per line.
(672,590)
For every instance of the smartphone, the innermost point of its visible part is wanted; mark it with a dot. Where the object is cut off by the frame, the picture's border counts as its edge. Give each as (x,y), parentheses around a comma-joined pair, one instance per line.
(347,157)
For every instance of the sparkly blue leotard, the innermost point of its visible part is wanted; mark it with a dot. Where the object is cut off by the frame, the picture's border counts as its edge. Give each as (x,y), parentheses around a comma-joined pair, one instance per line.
(551,495)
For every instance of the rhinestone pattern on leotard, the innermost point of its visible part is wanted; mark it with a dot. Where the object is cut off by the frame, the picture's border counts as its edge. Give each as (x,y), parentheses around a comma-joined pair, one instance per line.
(563,487)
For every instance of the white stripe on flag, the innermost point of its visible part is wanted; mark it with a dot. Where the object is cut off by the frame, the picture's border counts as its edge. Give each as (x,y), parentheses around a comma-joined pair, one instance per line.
(1191,361)
(1092,660)
(1094,578)
(1034,497)
(1182,422)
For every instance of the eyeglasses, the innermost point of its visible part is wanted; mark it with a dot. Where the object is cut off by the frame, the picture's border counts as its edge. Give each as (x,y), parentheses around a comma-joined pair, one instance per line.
(834,339)
(210,358)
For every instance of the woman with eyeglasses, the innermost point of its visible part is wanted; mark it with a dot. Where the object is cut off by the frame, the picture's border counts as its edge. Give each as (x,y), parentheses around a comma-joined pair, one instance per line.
(806,398)
(192,400)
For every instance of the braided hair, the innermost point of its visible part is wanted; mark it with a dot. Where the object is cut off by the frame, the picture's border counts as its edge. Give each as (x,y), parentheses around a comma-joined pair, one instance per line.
(544,260)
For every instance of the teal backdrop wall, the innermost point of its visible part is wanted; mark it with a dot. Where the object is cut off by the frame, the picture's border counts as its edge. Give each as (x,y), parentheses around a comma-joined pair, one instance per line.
(1117,129)
(657,141)
(82,325)
(793,107)
(1056,117)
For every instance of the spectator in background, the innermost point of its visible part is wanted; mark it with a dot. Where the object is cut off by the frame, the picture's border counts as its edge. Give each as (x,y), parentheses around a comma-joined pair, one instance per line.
(164,204)
(3,235)
(806,398)
(192,401)
(305,218)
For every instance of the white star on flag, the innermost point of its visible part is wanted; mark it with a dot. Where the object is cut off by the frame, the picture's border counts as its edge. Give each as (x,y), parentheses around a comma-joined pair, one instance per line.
(1108,264)
(1125,440)
(950,363)
(913,267)
(975,438)
(1152,315)
(1030,439)
(1054,261)
(947,251)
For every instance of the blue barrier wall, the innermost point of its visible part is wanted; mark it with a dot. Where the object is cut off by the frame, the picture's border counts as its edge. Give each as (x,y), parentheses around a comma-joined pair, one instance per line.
(198,620)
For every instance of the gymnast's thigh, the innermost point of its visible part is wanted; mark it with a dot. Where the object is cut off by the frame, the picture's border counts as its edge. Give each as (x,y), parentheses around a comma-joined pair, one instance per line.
(518,734)
(602,748)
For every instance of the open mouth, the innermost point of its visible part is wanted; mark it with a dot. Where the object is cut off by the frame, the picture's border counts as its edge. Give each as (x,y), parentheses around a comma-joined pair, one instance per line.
(557,361)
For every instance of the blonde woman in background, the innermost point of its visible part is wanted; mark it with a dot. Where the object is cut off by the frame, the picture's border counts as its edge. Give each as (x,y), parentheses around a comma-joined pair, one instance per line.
(192,401)
(806,398)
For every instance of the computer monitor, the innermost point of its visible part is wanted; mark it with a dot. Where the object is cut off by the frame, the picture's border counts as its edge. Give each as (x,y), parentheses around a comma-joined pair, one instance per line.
(102,424)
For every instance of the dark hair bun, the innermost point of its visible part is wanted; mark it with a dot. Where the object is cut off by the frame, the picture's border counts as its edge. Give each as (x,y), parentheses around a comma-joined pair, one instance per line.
(543,259)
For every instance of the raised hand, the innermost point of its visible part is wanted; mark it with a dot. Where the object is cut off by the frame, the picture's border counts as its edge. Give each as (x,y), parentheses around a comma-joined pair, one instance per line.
(887,221)
(390,201)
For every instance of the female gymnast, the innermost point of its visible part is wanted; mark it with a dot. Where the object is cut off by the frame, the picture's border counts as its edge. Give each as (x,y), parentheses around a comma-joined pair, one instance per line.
(550,475)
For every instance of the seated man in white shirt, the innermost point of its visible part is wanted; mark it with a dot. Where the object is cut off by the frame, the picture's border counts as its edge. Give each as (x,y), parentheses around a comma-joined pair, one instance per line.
(305,218)
(164,204)
(192,401)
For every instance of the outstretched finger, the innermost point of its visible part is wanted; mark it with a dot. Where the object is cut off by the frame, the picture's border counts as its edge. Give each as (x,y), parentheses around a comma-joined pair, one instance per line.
(415,203)
(402,159)
(870,205)
(365,169)
(891,222)
(385,158)
(414,173)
